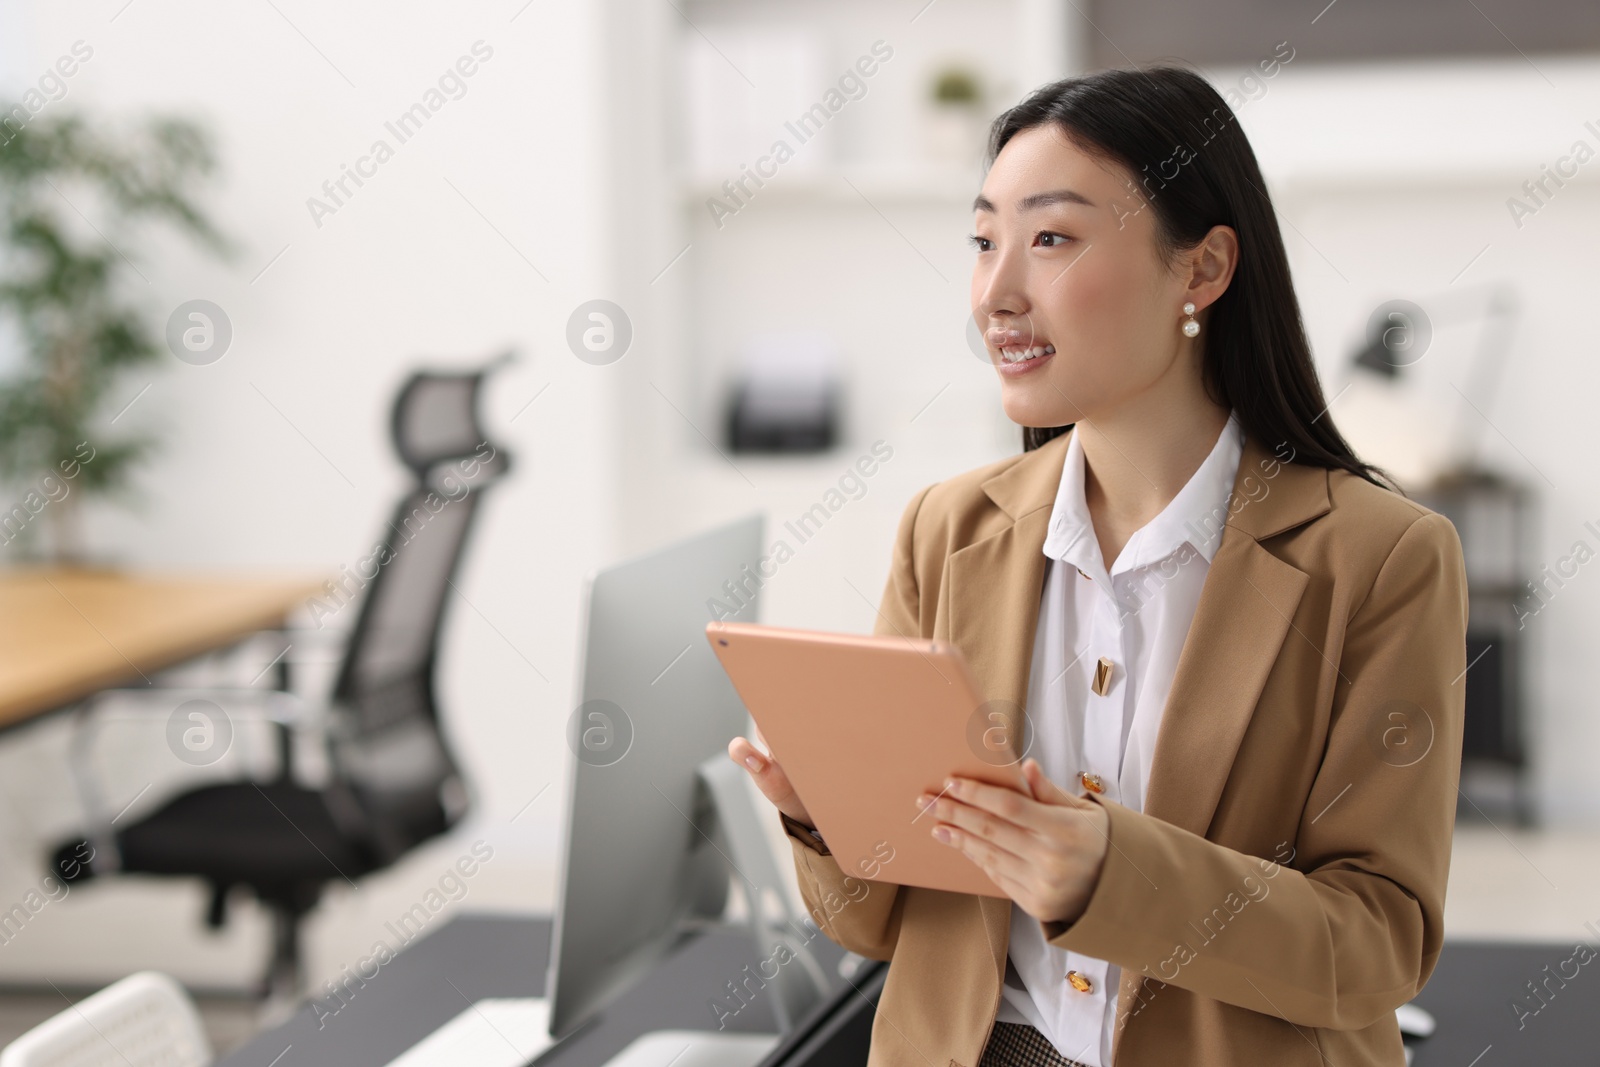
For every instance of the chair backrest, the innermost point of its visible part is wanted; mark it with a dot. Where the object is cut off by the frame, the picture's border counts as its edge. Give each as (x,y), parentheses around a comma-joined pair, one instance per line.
(387,746)
(145,1020)
(435,417)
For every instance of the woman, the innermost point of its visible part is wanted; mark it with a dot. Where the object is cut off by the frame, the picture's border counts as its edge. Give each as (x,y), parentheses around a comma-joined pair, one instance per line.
(1238,649)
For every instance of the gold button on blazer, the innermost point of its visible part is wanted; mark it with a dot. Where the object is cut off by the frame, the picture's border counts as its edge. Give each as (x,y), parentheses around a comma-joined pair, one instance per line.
(1282,892)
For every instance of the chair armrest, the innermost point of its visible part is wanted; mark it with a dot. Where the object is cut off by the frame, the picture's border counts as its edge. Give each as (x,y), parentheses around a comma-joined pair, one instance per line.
(290,647)
(306,637)
(285,710)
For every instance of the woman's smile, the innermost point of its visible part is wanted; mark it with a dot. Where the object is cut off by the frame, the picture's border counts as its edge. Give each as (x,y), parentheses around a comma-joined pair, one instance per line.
(1012,366)
(1018,354)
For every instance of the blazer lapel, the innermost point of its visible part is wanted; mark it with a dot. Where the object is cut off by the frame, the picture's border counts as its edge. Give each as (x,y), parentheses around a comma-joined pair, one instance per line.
(994,587)
(1246,608)
(1244,614)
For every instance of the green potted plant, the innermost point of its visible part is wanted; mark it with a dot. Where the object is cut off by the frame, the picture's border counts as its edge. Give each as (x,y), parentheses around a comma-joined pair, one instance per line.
(955,119)
(75,203)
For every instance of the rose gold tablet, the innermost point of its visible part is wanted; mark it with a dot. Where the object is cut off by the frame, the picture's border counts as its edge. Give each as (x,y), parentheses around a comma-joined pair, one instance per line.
(862,725)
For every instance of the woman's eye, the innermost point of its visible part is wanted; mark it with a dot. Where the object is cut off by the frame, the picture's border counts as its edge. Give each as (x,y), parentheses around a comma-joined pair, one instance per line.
(1045,238)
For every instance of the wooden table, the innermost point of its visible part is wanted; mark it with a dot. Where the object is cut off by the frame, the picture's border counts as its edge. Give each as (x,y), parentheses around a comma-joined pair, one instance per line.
(66,634)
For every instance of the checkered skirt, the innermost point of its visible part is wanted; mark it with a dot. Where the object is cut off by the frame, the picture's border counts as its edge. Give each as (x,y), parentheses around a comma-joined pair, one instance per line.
(1020,1045)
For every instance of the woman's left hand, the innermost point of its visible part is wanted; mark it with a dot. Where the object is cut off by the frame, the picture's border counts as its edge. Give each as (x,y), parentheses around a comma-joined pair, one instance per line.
(1045,851)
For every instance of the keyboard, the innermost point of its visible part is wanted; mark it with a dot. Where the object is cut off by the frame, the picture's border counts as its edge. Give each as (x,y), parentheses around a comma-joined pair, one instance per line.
(512,1031)
(695,1048)
(496,1032)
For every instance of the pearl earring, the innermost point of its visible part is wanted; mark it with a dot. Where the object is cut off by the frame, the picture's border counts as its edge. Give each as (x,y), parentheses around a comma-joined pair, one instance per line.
(1190,327)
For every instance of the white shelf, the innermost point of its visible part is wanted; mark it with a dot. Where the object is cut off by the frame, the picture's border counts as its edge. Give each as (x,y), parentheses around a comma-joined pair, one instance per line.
(943,184)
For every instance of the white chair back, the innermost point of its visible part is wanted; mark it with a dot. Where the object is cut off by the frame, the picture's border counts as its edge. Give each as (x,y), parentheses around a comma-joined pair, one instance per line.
(145,1020)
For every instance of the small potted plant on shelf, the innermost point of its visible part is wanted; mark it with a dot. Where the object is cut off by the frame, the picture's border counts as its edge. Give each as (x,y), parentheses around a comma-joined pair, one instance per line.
(955,121)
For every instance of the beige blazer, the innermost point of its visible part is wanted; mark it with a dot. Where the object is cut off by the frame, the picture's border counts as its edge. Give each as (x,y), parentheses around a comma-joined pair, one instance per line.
(1283,890)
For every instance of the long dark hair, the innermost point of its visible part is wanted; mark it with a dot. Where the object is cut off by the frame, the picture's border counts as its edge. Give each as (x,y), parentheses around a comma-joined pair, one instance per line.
(1256,358)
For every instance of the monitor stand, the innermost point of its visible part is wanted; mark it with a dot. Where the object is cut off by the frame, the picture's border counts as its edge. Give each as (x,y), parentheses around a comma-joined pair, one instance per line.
(728,820)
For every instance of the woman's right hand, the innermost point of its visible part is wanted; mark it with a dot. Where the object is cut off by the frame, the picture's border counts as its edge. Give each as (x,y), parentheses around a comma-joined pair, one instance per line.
(769,778)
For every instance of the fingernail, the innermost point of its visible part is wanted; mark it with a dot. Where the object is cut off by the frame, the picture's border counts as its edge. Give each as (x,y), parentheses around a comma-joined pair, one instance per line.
(752,762)
(942,834)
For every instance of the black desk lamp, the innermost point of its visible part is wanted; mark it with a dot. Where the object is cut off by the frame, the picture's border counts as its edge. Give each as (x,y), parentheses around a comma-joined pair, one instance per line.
(1400,333)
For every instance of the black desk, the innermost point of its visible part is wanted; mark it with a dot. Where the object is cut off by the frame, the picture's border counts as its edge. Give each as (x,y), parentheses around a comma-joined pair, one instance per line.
(475,956)
(1470,993)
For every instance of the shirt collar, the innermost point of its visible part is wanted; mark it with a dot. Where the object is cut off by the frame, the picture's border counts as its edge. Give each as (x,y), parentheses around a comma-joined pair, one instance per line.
(1195,515)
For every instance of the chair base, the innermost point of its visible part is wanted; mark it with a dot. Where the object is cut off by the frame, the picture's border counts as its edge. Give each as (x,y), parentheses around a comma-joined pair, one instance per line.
(283,980)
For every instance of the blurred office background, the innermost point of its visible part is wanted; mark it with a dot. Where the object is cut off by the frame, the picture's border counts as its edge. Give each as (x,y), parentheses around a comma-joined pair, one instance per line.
(595,153)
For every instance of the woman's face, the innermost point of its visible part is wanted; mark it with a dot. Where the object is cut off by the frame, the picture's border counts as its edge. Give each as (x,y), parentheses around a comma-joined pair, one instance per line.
(1067,261)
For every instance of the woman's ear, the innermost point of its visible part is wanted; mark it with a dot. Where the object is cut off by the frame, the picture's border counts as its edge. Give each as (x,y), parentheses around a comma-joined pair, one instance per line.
(1211,266)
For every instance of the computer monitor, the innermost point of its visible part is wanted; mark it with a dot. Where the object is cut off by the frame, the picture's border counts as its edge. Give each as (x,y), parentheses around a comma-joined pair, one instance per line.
(656,811)
(659,821)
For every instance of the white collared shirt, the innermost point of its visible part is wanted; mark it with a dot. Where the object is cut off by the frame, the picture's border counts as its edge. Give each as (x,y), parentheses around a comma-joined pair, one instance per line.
(1137,617)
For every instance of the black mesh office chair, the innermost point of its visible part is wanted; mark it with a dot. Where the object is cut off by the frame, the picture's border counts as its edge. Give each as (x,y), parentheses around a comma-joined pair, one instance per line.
(393,783)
